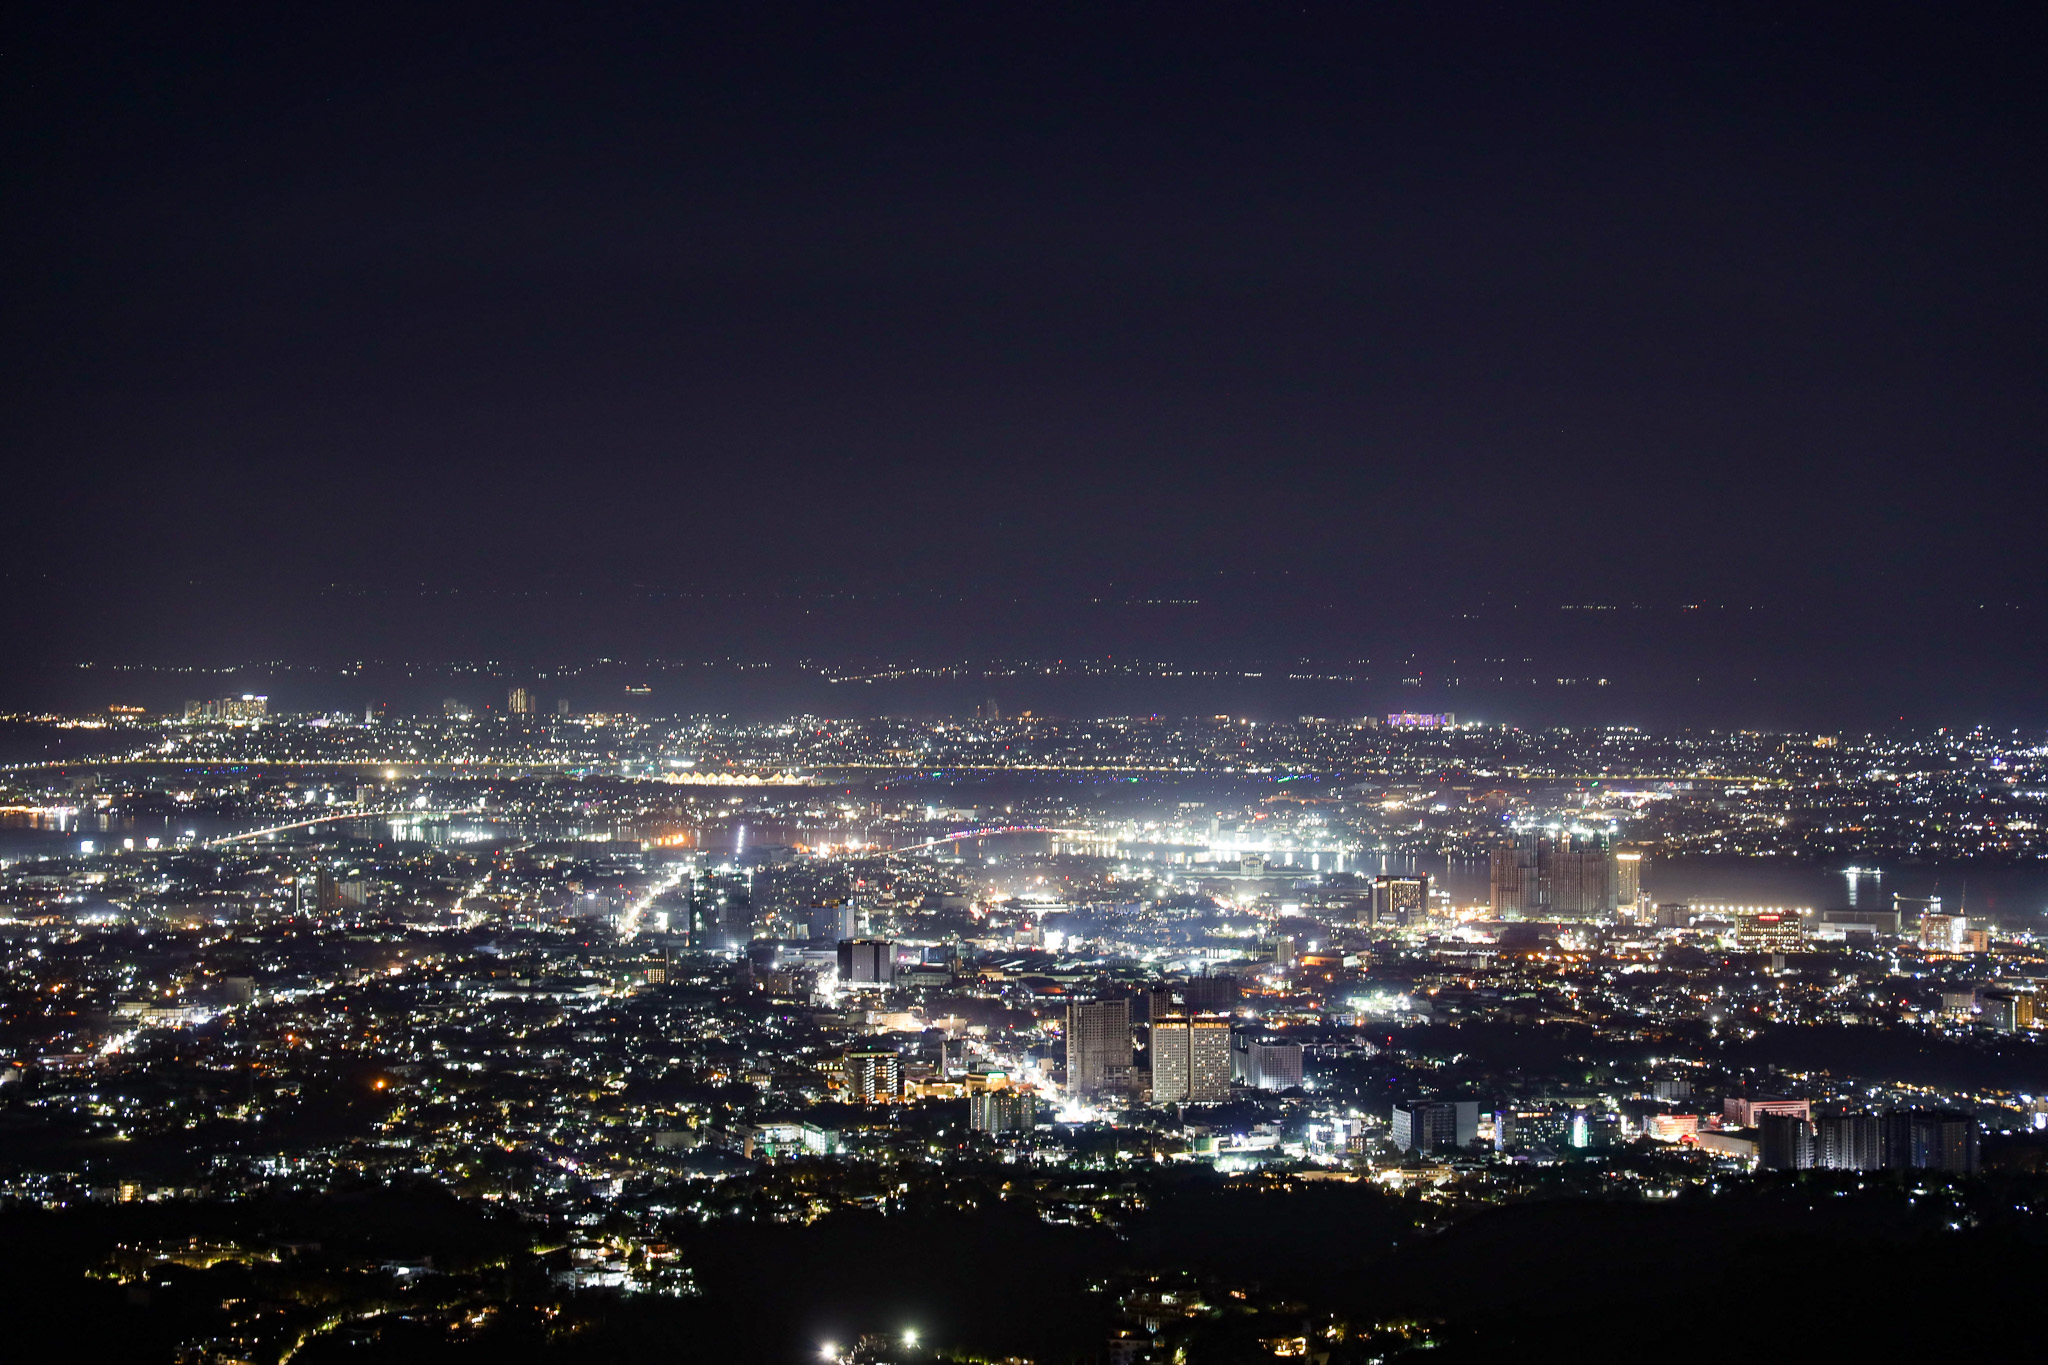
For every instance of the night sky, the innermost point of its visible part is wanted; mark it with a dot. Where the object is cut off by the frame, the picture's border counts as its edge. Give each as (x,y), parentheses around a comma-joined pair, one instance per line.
(1191,331)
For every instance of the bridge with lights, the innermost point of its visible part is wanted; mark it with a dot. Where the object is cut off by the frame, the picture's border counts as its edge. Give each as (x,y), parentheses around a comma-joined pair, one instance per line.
(961,836)
(402,813)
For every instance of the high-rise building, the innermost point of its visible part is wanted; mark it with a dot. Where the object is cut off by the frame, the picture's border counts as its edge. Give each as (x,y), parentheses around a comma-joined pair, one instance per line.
(1517,884)
(1931,1139)
(1628,876)
(1266,1063)
(455,708)
(873,1076)
(1190,1058)
(1208,994)
(1941,933)
(1002,1111)
(867,961)
(1099,1047)
(835,920)
(1435,1125)
(1849,1142)
(1398,901)
(1579,877)
(1565,875)
(519,701)
(1784,1142)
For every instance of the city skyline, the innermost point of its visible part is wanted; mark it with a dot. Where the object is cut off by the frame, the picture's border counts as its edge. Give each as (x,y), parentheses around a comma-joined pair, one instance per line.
(1114,684)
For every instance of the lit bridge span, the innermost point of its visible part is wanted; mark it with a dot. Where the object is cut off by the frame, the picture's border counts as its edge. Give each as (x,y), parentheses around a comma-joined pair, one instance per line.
(401,813)
(1092,836)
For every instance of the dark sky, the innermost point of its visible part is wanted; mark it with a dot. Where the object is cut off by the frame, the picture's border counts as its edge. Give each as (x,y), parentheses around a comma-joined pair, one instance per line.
(335,329)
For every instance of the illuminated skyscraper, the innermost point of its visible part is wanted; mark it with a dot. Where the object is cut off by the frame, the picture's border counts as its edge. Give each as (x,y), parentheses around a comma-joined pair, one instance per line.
(1628,876)
(873,1076)
(519,701)
(1190,1058)
(1099,1047)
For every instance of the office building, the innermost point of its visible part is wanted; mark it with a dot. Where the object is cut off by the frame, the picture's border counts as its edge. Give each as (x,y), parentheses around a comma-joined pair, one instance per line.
(519,701)
(1266,1063)
(1532,1126)
(1765,928)
(1398,901)
(1435,1125)
(1099,1047)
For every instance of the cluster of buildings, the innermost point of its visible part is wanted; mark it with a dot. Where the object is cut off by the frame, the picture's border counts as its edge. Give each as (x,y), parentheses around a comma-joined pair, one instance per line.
(603,994)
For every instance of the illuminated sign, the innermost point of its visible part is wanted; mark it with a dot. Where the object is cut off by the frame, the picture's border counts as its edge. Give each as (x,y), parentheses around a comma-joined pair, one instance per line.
(1421,720)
